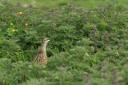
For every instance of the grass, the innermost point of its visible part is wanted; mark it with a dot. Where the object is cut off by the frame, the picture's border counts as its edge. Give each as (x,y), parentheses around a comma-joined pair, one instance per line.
(87,46)
(83,3)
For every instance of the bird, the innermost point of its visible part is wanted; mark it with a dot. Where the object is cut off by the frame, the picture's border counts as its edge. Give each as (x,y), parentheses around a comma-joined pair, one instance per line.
(41,57)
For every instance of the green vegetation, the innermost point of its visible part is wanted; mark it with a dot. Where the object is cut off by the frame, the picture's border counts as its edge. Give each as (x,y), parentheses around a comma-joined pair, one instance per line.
(83,3)
(88,46)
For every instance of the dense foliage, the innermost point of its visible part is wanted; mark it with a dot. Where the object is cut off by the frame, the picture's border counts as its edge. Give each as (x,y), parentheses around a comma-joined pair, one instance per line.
(87,46)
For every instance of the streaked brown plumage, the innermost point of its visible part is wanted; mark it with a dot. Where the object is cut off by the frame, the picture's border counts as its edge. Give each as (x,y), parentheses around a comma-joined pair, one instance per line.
(41,57)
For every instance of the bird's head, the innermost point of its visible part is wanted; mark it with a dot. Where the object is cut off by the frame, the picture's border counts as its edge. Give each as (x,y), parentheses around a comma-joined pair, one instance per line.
(46,40)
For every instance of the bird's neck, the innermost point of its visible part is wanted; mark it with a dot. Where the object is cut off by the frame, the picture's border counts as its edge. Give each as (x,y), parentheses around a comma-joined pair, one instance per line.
(44,47)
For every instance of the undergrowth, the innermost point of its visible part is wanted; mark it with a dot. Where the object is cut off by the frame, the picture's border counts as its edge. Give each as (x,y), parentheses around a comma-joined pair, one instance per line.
(87,46)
